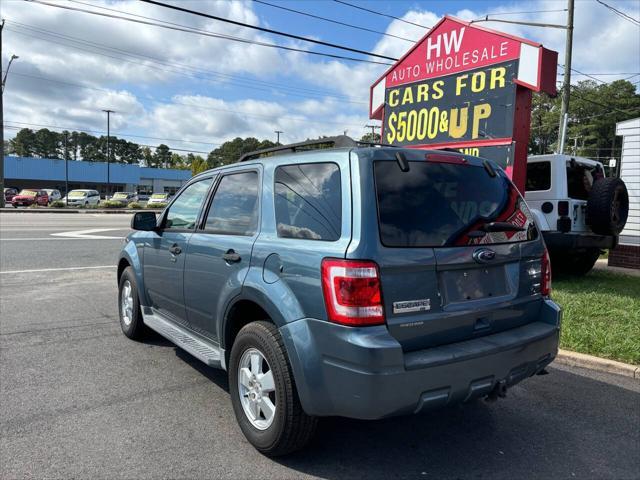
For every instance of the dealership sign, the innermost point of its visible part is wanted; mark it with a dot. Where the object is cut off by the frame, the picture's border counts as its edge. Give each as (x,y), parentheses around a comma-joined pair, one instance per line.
(465,87)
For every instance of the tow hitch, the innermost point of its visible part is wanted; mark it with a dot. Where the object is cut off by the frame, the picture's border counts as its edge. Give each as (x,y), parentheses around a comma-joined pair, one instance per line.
(499,391)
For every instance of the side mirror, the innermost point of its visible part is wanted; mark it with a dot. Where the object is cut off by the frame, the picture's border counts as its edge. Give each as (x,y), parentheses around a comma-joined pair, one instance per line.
(145,221)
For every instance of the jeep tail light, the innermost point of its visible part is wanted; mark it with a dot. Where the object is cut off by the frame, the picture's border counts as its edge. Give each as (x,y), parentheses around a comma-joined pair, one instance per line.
(545,280)
(563,208)
(352,292)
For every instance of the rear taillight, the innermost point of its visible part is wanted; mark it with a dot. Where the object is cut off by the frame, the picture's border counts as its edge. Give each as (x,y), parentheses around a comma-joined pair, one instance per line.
(545,280)
(563,208)
(352,292)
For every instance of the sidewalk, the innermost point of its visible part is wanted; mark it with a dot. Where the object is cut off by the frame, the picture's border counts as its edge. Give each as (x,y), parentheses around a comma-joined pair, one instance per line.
(601,265)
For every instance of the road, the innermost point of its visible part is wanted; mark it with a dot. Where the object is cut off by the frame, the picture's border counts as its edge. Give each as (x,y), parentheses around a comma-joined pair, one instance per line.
(78,399)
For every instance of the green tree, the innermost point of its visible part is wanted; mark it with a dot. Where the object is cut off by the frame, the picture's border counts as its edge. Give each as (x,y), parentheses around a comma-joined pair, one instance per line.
(197,163)
(162,156)
(147,157)
(371,138)
(24,143)
(230,152)
(47,143)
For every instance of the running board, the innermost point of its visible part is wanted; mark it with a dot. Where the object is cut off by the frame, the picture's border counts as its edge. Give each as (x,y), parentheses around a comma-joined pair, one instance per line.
(202,350)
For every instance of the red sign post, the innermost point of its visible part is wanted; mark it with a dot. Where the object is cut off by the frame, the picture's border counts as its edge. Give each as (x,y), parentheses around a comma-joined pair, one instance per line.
(466,87)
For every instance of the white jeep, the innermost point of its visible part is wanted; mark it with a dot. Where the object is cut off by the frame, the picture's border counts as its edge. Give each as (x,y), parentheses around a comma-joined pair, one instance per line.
(579,210)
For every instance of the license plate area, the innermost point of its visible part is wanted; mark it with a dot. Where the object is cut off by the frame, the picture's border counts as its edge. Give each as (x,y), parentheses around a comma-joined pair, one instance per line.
(464,285)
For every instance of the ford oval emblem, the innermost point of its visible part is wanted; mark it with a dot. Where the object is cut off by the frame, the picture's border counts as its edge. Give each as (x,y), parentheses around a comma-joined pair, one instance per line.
(484,255)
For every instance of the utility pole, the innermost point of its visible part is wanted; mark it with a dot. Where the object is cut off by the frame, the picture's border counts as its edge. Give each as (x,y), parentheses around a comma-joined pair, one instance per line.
(1,125)
(66,169)
(566,86)
(278,132)
(108,112)
(373,131)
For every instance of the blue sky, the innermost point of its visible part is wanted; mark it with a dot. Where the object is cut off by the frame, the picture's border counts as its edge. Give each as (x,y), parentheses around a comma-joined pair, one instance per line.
(198,91)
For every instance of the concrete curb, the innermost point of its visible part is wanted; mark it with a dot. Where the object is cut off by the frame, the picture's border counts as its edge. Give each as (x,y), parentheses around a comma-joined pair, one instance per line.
(76,210)
(575,359)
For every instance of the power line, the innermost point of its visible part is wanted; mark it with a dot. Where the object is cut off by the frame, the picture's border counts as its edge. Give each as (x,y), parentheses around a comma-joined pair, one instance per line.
(381,14)
(620,14)
(330,20)
(266,30)
(209,34)
(123,134)
(14,127)
(238,81)
(200,107)
(522,13)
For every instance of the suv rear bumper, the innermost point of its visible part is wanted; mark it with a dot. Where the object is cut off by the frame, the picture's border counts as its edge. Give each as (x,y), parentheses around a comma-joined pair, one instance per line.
(363,372)
(560,240)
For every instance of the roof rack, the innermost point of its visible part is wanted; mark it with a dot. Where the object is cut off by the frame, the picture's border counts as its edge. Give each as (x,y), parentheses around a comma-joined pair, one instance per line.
(340,141)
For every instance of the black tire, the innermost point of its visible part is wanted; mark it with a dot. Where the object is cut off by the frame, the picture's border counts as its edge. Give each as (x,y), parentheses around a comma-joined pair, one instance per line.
(608,206)
(576,263)
(292,428)
(14,205)
(135,329)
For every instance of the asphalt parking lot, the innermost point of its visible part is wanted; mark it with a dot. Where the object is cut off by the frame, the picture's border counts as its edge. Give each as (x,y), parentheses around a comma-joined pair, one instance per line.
(78,399)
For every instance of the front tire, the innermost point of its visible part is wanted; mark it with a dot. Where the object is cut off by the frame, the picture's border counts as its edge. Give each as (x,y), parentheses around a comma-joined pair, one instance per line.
(263,392)
(129,306)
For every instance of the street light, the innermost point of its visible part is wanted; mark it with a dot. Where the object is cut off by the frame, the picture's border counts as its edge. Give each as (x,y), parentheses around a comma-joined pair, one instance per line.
(6,72)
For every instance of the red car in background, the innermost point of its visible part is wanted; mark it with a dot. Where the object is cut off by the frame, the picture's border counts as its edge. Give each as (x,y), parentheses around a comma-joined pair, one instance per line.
(30,196)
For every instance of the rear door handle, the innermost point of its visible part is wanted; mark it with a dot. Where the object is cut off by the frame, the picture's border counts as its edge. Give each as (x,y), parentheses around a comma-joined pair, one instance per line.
(231,257)
(175,250)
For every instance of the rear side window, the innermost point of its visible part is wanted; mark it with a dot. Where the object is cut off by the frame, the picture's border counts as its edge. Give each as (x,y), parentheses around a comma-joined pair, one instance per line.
(443,204)
(538,176)
(308,201)
(234,210)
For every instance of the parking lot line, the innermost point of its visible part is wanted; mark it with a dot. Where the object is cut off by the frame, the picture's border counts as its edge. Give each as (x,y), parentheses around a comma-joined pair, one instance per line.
(61,269)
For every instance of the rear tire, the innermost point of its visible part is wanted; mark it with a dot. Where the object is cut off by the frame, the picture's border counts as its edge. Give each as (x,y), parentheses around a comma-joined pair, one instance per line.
(129,309)
(289,428)
(608,206)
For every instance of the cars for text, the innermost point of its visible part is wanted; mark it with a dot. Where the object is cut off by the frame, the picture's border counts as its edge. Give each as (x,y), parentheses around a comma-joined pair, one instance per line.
(354,281)
(9,193)
(125,197)
(53,194)
(159,199)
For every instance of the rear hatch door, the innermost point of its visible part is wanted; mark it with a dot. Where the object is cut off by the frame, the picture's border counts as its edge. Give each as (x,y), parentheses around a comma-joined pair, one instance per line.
(452,261)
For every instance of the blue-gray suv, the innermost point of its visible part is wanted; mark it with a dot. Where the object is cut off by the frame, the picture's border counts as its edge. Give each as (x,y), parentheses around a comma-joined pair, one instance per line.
(353,281)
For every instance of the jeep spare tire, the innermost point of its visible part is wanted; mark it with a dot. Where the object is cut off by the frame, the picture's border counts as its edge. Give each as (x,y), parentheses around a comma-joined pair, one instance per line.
(608,206)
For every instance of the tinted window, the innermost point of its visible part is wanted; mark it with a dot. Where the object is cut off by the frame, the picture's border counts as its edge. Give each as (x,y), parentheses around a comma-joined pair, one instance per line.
(183,213)
(438,204)
(538,176)
(234,210)
(308,201)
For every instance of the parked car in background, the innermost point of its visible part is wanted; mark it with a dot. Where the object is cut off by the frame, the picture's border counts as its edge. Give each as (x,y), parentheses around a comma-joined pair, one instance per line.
(124,197)
(579,210)
(158,200)
(9,193)
(30,196)
(143,197)
(353,282)
(83,198)
(53,194)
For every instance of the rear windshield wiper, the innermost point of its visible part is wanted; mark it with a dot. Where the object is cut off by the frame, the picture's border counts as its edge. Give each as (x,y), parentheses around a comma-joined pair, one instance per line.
(494,227)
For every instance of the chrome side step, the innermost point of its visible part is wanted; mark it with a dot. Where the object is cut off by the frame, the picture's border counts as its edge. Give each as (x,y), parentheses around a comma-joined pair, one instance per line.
(206,352)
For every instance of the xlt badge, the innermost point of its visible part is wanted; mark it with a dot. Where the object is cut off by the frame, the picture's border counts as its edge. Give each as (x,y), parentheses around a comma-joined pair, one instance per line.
(408,306)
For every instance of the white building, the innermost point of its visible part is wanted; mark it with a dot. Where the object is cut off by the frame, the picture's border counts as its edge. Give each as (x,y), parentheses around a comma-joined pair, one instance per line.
(627,254)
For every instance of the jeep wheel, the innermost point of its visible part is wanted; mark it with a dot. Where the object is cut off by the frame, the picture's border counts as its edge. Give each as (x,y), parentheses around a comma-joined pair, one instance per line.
(576,263)
(608,206)
(129,306)
(263,392)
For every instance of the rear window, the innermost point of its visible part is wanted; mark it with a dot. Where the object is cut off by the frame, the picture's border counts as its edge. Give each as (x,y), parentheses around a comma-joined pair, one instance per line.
(308,201)
(538,176)
(443,204)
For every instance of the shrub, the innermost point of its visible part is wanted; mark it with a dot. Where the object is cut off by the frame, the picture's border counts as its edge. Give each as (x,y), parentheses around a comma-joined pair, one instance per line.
(112,204)
(57,204)
(134,205)
(156,206)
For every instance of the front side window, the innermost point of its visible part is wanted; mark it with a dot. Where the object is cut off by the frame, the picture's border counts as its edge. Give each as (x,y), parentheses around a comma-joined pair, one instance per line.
(440,204)
(234,210)
(183,213)
(538,176)
(308,201)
